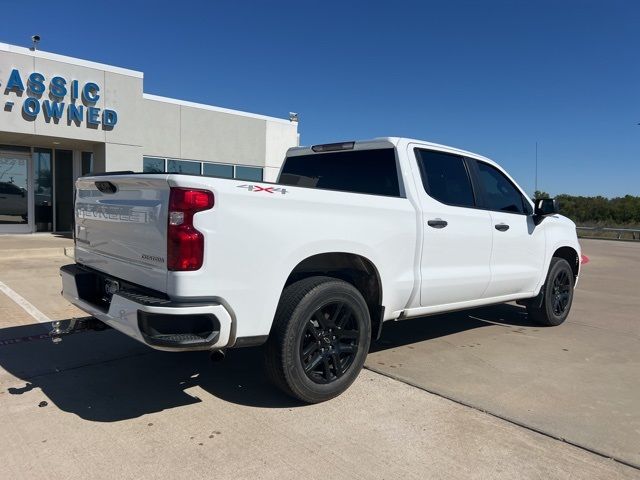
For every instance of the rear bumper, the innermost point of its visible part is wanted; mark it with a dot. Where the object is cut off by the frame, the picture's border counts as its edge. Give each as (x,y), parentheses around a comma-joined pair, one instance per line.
(157,322)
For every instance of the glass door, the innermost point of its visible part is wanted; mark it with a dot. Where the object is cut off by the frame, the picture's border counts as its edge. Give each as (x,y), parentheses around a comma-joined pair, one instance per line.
(14,191)
(43,189)
(63,187)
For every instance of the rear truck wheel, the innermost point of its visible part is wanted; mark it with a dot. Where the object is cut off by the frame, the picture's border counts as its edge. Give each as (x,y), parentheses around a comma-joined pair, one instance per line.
(557,295)
(319,339)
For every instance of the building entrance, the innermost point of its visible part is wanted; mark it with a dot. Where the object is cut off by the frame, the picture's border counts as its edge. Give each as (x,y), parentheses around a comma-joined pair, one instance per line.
(15,178)
(36,189)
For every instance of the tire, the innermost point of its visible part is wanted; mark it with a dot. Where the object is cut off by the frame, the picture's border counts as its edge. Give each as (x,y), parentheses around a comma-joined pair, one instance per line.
(557,295)
(319,339)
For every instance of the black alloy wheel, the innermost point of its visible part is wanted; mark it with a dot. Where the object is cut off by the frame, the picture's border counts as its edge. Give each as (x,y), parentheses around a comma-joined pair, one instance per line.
(319,339)
(561,292)
(557,295)
(329,343)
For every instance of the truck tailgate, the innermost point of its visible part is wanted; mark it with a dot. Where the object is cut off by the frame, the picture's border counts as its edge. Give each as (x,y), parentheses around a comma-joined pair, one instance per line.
(121,227)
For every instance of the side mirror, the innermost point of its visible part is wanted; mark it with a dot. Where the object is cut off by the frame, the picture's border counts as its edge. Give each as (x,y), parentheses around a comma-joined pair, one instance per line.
(545,206)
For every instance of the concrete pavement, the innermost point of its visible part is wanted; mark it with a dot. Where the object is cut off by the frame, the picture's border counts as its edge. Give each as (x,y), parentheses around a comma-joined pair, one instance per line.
(114,409)
(103,406)
(579,381)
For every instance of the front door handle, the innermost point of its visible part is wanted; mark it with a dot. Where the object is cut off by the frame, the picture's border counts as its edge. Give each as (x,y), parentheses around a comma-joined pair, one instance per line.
(502,227)
(437,223)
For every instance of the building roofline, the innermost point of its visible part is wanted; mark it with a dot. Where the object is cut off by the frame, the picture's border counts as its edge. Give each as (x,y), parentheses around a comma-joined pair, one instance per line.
(203,106)
(6,47)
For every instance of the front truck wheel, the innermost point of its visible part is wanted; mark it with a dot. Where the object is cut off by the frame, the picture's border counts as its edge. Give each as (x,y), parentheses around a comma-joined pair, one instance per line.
(557,295)
(319,339)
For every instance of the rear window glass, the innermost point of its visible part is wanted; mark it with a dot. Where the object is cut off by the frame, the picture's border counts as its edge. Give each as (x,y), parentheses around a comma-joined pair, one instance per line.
(359,171)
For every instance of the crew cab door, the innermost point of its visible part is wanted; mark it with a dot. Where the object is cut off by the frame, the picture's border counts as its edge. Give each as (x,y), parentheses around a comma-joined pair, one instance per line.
(456,252)
(518,252)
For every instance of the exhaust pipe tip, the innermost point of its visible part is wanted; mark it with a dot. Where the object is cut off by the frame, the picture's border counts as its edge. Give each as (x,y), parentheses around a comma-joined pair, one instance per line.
(218,355)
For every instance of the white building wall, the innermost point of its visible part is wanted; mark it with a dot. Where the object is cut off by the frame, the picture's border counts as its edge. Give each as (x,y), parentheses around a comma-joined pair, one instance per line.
(161,138)
(221,137)
(214,134)
(118,157)
(279,137)
(147,124)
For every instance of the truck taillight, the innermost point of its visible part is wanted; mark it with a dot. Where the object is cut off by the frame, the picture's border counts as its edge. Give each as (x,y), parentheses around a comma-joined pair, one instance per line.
(185,244)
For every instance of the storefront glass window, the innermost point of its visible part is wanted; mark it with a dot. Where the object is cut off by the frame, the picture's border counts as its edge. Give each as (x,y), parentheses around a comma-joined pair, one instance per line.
(87,163)
(182,166)
(14,168)
(63,186)
(217,170)
(249,173)
(152,165)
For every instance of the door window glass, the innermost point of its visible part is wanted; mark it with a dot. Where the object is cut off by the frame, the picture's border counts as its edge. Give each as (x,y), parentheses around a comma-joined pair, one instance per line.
(445,178)
(499,193)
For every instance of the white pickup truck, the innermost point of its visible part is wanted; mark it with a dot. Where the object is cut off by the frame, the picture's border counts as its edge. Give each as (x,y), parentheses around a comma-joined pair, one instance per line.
(352,235)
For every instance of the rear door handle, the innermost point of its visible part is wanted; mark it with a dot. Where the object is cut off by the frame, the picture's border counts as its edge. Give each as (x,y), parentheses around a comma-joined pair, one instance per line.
(437,223)
(502,227)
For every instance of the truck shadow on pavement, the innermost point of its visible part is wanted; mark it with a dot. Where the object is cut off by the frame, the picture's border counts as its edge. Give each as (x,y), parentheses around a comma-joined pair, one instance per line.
(414,330)
(104,376)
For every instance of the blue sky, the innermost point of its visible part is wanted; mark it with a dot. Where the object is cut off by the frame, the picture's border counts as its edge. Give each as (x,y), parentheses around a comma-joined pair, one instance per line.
(490,76)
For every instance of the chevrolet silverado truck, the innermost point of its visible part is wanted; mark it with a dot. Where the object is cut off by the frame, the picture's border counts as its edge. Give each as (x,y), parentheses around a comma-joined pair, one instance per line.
(352,235)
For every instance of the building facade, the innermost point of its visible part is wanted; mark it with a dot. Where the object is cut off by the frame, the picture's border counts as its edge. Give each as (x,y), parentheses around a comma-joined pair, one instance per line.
(63,117)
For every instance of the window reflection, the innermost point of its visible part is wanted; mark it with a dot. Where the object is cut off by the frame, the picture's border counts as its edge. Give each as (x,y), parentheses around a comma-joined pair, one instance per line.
(13,189)
(182,166)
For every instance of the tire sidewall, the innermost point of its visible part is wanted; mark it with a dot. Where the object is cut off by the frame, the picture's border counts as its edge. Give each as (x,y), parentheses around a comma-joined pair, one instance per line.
(558,266)
(324,294)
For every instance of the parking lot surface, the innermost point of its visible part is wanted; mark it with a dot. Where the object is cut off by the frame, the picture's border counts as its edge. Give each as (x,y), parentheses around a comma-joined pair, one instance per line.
(579,381)
(100,405)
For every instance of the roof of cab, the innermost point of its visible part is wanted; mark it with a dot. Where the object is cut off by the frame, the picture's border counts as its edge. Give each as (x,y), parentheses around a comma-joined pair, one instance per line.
(387,142)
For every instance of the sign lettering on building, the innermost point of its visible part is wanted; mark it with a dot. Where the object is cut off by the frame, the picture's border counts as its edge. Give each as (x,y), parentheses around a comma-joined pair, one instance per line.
(81,107)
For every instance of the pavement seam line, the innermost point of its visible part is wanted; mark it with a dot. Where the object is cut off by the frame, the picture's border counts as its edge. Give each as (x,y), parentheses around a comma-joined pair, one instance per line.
(504,418)
(24,304)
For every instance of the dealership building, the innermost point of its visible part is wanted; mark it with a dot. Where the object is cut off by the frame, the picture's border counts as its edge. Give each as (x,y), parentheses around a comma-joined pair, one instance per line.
(62,117)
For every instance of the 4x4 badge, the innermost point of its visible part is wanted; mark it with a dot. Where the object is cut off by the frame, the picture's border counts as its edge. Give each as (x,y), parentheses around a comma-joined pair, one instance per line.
(259,188)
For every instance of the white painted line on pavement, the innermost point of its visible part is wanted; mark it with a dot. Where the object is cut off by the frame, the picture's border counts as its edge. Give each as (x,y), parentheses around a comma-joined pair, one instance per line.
(26,306)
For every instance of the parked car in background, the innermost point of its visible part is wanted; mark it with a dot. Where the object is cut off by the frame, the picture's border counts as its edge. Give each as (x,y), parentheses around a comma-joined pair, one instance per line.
(13,200)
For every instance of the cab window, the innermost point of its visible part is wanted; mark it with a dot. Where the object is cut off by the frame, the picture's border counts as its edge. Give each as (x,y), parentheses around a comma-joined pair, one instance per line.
(445,177)
(499,192)
(359,171)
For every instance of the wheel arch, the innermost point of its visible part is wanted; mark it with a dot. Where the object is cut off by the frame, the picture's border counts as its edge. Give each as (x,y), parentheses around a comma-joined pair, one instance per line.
(571,256)
(352,268)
